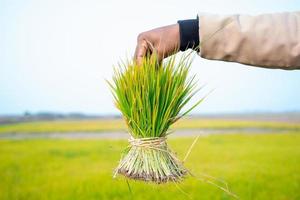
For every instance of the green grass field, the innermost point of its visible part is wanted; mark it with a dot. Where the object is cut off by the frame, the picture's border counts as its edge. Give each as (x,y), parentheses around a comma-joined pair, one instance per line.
(256,166)
(118,124)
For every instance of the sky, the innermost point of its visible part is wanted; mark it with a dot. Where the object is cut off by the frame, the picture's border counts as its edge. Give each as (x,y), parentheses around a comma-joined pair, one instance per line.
(55,55)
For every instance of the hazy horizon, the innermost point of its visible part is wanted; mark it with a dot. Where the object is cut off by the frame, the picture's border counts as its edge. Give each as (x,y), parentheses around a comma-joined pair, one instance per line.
(56,55)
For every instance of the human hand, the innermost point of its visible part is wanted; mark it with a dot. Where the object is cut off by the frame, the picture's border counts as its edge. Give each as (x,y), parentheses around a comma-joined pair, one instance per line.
(164,41)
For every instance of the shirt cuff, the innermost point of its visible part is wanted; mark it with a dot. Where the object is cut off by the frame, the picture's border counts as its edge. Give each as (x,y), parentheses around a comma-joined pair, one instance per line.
(189,34)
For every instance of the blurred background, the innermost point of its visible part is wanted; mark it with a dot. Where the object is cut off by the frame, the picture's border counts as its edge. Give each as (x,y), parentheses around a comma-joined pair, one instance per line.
(61,136)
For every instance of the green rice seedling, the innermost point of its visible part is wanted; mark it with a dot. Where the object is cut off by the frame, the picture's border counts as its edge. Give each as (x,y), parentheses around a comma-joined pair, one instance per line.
(151,97)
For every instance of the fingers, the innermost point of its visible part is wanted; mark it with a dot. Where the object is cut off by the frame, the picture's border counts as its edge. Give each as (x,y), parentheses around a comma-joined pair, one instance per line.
(144,48)
(140,50)
(160,42)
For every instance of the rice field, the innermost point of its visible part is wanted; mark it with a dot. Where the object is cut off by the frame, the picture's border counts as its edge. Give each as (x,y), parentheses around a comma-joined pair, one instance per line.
(256,166)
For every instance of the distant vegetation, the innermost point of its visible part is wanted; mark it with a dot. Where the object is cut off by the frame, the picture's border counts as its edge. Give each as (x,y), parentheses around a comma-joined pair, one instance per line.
(49,116)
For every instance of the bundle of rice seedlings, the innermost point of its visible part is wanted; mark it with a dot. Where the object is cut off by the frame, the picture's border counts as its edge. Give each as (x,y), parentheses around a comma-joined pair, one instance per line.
(150,97)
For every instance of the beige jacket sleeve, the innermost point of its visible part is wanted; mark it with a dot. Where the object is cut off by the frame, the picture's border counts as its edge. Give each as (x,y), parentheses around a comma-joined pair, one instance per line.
(269,40)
